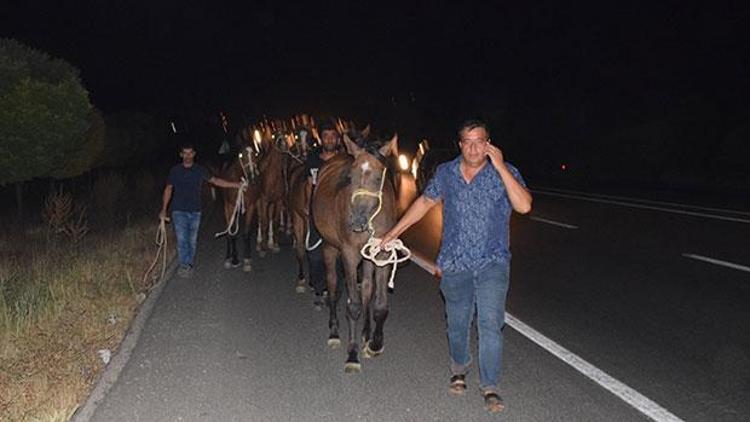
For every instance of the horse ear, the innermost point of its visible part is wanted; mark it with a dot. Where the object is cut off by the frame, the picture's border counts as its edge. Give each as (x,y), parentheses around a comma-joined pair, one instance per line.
(351,147)
(366,132)
(390,147)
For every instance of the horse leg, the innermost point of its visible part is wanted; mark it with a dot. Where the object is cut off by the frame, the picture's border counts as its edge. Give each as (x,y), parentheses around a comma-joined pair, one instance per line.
(273,241)
(367,292)
(262,224)
(380,309)
(351,259)
(289,220)
(298,223)
(330,255)
(246,231)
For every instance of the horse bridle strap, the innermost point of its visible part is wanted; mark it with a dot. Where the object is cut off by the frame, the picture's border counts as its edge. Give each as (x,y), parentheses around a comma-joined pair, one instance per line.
(378,195)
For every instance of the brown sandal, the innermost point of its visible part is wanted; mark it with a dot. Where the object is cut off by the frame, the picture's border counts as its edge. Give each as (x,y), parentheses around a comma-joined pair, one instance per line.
(458,384)
(493,402)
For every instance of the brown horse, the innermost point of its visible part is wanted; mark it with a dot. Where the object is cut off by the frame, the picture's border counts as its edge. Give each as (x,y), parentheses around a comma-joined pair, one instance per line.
(272,192)
(353,200)
(243,167)
(298,201)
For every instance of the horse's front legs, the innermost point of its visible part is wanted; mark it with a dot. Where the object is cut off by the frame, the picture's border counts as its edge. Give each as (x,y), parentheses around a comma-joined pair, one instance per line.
(351,259)
(330,255)
(262,225)
(298,222)
(273,240)
(367,291)
(247,238)
(380,309)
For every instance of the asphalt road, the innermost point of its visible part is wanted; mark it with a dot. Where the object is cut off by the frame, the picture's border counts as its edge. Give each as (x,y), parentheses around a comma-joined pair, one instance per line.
(620,292)
(617,290)
(230,346)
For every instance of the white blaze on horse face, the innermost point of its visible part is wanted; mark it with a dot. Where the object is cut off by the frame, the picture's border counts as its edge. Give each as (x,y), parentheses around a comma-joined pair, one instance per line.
(365,167)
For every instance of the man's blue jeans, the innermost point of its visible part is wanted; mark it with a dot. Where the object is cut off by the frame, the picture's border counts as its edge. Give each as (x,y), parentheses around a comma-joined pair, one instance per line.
(484,289)
(186,226)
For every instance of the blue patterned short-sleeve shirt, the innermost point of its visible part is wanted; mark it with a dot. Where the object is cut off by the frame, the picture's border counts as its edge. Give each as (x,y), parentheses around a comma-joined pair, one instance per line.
(476,216)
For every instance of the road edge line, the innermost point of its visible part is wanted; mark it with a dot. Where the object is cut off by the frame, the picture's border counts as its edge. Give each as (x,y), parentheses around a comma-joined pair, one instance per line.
(638,401)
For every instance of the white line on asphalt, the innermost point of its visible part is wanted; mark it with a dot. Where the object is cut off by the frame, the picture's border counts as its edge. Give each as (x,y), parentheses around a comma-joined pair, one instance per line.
(645,207)
(648,201)
(640,402)
(717,262)
(635,399)
(554,223)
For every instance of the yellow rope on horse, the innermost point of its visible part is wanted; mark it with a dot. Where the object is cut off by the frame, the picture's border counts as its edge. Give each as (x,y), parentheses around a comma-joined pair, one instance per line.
(161,241)
(372,248)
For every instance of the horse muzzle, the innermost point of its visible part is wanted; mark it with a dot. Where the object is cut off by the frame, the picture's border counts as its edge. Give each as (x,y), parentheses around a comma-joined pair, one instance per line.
(358,223)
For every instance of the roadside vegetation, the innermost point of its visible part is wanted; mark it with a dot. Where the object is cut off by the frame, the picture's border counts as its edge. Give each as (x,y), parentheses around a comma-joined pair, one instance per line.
(77,230)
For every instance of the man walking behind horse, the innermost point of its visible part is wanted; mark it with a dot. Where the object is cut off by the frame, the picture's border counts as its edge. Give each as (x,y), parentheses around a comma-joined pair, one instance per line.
(184,190)
(479,190)
(329,147)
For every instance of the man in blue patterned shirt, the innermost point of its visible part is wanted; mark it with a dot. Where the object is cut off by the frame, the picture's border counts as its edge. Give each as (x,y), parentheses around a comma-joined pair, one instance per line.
(479,190)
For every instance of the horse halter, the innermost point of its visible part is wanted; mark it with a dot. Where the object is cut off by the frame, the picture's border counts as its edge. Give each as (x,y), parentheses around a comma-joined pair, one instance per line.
(250,170)
(281,145)
(378,195)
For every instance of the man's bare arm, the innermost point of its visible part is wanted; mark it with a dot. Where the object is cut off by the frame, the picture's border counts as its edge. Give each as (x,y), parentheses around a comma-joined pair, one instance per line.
(416,211)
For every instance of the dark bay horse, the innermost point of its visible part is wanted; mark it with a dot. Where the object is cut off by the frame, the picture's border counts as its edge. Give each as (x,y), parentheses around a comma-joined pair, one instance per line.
(272,192)
(353,200)
(299,194)
(243,167)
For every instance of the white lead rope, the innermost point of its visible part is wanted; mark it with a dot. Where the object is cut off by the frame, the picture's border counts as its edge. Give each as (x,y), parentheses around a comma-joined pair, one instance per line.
(239,209)
(161,241)
(307,240)
(371,249)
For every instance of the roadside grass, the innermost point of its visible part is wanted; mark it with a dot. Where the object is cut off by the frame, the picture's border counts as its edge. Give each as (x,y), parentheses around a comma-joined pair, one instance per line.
(61,302)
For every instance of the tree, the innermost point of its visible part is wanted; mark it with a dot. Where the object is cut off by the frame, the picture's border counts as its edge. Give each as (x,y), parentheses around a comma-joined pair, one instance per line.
(45,118)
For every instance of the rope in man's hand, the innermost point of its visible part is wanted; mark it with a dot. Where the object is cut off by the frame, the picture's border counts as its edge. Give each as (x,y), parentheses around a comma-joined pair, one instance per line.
(239,209)
(372,248)
(161,241)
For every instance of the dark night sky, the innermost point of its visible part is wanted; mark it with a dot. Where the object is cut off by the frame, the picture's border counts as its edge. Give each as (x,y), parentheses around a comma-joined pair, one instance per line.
(559,74)
(135,54)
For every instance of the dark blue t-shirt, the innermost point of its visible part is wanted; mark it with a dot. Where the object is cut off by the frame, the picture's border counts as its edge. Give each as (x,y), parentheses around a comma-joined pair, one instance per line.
(187,182)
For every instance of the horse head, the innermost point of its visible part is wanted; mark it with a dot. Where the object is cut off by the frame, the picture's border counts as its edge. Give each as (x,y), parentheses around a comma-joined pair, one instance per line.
(368,179)
(249,163)
(303,141)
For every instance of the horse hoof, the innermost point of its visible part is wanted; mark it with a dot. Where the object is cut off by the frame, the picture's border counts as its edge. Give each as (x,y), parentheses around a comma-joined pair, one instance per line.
(352,367)
(227,264)
(300,288)
(276,249)
(334,343)
(367,352)
(247,268)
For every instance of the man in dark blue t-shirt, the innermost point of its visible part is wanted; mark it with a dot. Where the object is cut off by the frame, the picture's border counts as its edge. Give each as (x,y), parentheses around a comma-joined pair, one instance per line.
(184,190)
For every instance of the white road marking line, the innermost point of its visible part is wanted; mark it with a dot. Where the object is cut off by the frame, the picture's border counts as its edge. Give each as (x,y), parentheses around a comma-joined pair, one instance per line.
(648,201)
(646,207)
(717,262)
(554,223)
(641,403)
